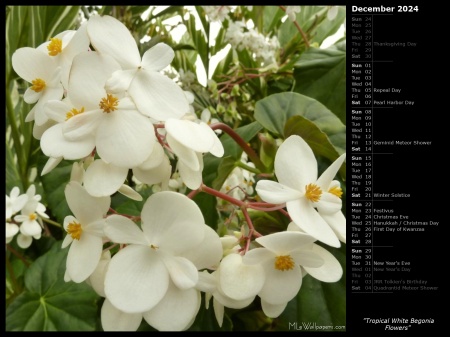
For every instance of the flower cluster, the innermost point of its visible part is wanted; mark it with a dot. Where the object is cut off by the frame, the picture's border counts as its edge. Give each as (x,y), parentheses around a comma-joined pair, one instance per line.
(241,37)
(114,113)
(28,224)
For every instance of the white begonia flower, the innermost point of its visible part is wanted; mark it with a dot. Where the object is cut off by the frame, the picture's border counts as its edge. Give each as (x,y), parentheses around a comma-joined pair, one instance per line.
(15,202)
(301,190)
(123,136)
(53,142)
(64,47)
(205,117)
(188,140)
(44,74)
(84,231)
(330,271)
(29,219)
(281,257)
(139,275)
(292,11)
(154,94)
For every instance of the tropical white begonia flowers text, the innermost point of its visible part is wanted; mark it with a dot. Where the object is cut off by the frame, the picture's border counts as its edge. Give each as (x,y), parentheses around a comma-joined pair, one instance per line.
(305,195)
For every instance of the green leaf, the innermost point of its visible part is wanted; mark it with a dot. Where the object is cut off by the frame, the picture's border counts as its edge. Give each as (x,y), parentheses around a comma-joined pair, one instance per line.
(321,74)
(274,111)
(49,303)
(272,18)
(316,139)
(320,303)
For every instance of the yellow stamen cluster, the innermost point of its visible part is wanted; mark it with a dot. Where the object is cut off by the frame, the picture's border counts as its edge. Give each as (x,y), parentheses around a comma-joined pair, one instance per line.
(54,47)
(74,229)
(109,103)
(155,247)
(313,192)
(284,262)
(336,190)
(74,112)
(38,85)
(32,216)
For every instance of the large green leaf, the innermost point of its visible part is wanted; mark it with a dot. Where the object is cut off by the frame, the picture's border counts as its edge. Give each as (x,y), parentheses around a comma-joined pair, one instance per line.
(49,303)
(318,304)
(321,74)
(274,111)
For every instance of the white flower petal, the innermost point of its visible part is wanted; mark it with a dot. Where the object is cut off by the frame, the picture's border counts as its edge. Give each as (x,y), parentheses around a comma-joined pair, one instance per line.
(110,36)
(155,158)
(239,281)
(188,156)
(115,320)
(82,125)
(190,134)
(30,228)
(38,130)
(102,179)
(125,138)
(338,224)
(97,278)
(272,310)
(282,243)
(158,57)
(176,311)
(330,271)
(54,144)
(24,241)
(30,96)
(83,257)
(182,271)
(307,257)
(328,203)
(31,64)
(206,282)
(208,253)
(89,73)
(280,286)
(11,230)
(219,311)
(295,163)
(328,175)
(257,256)
(191,178)
(49,94)
(170,230)
(122,230)
(120,80)
(129,192)
(85,207)
(57,110)
(136,279)
(276,193)
(154,175)
(157,96)
(307,218)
